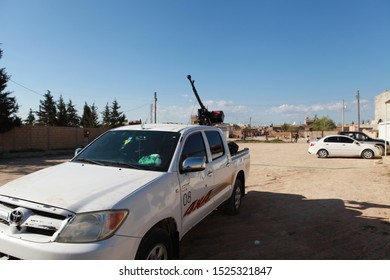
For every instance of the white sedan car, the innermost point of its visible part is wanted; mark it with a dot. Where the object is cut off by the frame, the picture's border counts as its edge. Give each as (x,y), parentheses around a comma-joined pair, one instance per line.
(340,145)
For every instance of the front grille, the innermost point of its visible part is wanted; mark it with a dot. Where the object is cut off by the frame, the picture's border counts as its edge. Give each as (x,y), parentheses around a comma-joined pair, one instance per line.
(29,221)
(40,231)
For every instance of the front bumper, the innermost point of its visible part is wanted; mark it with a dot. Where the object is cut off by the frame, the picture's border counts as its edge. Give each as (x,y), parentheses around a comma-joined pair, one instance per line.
(113,248)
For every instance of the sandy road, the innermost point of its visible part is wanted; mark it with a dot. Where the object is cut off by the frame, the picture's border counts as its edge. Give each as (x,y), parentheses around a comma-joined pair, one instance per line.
(297,207)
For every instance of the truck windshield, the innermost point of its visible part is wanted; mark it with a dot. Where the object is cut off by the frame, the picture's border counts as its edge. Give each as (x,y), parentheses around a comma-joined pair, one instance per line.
(138,149)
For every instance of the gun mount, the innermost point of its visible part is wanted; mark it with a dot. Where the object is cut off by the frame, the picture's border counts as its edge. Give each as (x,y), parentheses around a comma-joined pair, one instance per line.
(204,116)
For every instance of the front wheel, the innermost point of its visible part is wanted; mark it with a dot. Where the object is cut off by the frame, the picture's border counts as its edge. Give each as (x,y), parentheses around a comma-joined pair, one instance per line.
(381,149)
(156,245)
(367,154)
(233,204)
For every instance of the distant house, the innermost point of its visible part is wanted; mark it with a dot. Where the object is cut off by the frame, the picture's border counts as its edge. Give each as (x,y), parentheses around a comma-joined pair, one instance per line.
(309,122)
(381,106)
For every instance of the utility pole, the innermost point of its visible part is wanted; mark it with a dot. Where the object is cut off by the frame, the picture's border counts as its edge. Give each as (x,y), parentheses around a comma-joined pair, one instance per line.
(155,107)
(358,104)
(151,113)
(342,117)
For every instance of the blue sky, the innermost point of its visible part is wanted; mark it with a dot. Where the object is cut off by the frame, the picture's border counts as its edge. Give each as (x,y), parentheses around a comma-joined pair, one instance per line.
(260,61)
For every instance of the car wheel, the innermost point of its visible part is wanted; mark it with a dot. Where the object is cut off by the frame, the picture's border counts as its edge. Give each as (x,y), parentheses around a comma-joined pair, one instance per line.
(233,204)
(381,149)
(322,153)
(367,154)
(156,245)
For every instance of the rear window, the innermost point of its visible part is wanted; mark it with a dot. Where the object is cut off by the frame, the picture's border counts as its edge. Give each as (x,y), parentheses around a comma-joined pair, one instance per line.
(333,139)
(216,144)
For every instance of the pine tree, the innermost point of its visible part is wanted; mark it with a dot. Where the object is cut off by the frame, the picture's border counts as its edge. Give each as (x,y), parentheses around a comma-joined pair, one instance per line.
(106,116)
(87,119)
(71,115)
(117,118)
(95,116)
(61,112)
(90,116)
(47,114)
(30,120)
(8,105)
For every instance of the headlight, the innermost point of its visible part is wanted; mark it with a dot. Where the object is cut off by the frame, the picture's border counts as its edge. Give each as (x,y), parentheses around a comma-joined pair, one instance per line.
(90,227)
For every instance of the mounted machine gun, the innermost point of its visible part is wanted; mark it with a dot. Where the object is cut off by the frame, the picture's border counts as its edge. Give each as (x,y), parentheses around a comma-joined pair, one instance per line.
(204,116)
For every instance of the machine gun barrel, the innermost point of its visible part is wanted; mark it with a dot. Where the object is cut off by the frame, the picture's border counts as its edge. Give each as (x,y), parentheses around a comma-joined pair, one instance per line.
(196,92)
(204,116)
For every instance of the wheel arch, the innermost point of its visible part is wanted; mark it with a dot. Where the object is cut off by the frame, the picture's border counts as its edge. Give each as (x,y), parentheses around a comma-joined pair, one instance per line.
(241,177)
(170,226)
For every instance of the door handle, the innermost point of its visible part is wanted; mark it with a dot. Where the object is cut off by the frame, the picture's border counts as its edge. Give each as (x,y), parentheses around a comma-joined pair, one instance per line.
(210,173)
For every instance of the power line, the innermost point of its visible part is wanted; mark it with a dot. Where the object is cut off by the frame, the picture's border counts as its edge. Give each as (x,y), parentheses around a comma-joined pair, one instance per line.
(139,107)
(33,91)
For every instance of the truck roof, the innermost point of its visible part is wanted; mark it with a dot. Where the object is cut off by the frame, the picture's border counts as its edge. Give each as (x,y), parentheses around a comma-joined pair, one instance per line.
(163,127)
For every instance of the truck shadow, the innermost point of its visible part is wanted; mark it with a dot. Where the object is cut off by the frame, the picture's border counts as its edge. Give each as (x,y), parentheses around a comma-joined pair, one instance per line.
(277,226)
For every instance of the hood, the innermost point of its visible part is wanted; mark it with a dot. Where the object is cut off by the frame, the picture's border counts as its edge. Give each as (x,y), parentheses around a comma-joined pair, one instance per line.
(78,187)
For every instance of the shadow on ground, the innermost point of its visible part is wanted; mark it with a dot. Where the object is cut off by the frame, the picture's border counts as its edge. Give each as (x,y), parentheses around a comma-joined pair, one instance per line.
(277,226)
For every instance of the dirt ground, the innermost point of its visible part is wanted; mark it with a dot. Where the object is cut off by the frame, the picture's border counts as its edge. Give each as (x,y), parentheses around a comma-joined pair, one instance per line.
(296,207)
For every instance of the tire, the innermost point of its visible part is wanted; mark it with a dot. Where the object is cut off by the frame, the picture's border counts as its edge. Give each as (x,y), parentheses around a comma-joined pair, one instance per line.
(156,245)
(381,149)
(233,204)
(367,154)
(322,153)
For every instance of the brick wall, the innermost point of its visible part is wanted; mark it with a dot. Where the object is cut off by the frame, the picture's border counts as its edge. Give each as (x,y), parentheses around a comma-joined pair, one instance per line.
(47,138)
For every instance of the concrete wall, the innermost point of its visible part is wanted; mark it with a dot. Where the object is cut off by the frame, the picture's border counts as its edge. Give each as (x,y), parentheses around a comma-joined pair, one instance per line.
(383,134)
(45,138)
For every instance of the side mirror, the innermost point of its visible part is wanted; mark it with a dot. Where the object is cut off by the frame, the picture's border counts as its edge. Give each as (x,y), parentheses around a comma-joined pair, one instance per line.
(194,164)
(356,143)
(77,151)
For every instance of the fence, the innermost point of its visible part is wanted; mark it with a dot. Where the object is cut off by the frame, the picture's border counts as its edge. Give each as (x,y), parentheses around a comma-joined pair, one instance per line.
(46,138)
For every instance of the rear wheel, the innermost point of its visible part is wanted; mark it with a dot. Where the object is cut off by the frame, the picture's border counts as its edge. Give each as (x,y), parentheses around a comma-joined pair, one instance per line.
(322,153)
(156,245)
(367,154)
(233,204)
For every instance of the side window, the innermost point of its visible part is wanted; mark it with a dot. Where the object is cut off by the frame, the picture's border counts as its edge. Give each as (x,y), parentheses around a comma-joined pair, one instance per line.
(345,140)
(332,139)
(216,144)
(359,137)
(193,147)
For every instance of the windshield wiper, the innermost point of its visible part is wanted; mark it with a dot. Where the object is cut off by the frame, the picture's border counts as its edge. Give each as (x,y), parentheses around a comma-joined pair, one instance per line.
(91,161)
(122,164)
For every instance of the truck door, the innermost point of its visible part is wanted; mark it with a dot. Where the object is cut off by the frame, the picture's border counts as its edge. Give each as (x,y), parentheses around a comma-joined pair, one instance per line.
(196,192)
(220,164)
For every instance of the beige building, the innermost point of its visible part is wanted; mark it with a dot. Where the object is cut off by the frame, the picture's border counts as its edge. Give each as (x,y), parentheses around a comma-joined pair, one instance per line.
(380,107)
(380,114)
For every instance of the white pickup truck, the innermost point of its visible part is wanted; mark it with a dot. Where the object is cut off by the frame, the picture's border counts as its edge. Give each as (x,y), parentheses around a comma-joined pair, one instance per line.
(131,194)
